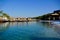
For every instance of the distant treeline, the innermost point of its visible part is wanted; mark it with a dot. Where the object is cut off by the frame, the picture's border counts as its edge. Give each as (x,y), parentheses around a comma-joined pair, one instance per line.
(50,16)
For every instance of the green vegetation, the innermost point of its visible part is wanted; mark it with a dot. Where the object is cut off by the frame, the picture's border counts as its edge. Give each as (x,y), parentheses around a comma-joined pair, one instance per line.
(4,14)
(49,16)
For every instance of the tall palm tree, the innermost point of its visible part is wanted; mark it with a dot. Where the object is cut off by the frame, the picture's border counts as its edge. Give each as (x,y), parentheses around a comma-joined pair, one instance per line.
(1,13)
(4,14)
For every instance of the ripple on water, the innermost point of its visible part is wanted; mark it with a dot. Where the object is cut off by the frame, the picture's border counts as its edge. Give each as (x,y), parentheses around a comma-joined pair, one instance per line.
(29,31)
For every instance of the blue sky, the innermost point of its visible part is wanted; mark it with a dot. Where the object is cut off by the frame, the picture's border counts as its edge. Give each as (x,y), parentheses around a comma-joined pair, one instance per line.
(29,8)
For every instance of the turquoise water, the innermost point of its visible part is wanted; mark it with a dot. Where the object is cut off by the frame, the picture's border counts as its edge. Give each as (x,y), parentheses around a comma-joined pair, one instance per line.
(29,31)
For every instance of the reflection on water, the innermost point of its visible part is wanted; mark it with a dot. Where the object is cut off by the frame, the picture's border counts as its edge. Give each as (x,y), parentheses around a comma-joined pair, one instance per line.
(3,26)
(28,31)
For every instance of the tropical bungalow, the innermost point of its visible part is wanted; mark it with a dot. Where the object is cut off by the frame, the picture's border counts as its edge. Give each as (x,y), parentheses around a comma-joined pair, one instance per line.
(21,19)
(12,19)
(31,19)
(3,18)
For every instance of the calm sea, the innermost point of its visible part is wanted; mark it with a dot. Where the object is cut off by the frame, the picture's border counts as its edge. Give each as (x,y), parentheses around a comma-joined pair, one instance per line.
(29,31)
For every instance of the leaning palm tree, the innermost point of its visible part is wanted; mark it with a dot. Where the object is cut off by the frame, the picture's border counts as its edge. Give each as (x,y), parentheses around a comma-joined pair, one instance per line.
(6,15)
(1,13)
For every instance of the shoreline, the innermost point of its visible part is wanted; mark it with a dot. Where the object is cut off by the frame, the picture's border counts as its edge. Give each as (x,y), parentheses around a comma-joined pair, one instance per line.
(16,21)
(27,20)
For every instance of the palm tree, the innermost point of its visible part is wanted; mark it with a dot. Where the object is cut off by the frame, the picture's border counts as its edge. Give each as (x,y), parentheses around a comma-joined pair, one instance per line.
(4,14)
(1,13)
